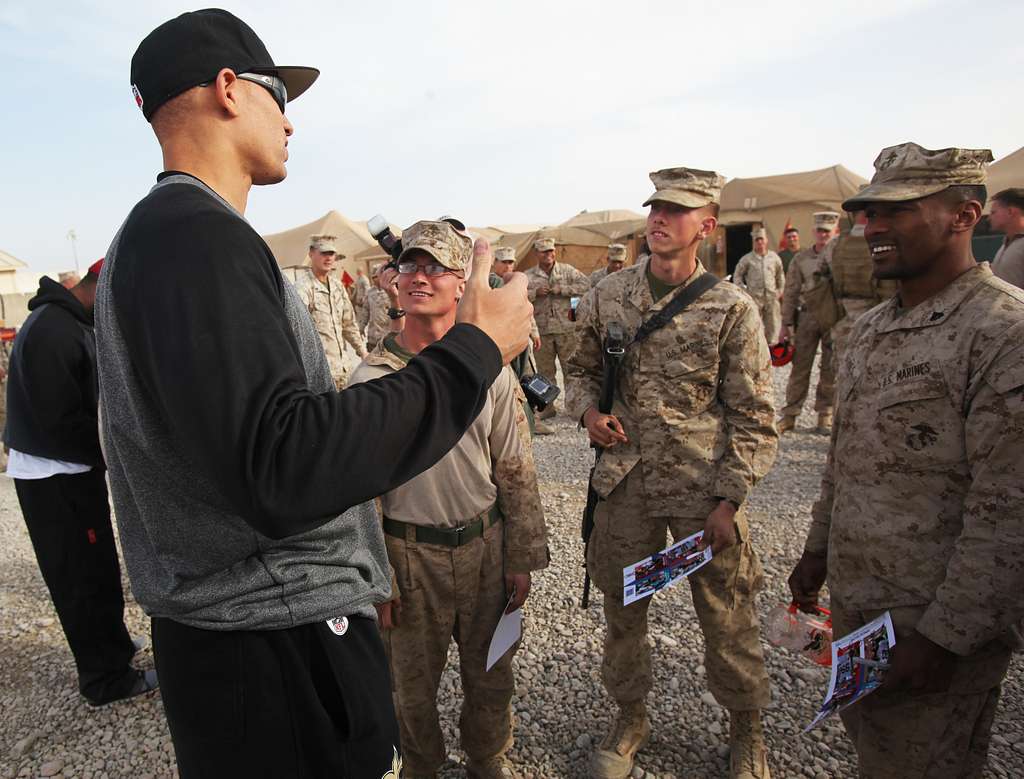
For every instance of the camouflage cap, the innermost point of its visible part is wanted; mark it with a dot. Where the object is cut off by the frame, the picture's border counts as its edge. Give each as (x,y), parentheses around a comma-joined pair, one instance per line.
(376,269)
(825,220)
(504,254)
(759,232)
(441,241)
(616,252)
(909,172)
(544,244)
(323,243)
(686,187)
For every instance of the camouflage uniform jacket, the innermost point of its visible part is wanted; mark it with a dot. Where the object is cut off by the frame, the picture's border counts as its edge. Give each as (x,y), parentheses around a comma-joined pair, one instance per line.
(552,310)
(922,501)
(762,277)
(378,322)
(332,315)
(597,275)
(493,461)
(360,289)
(695,398)
(800,277)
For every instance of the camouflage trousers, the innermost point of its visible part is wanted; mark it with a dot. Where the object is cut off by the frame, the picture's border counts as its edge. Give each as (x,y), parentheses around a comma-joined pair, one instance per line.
(561,345)
(935,736)
(771,318)
(449,593)
(808,335)
(626,530)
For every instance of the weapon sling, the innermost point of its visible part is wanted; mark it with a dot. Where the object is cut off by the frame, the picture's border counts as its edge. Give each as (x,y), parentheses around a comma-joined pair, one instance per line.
(613,354)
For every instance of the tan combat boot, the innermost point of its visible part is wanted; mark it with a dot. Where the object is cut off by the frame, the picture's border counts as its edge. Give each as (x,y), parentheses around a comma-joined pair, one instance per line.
(748,755)
(785,424)
(497,767)
(825,422)
(613,758)
(542,429)
(548,413)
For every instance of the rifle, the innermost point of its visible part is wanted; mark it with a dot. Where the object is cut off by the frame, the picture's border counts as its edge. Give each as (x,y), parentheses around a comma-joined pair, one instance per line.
(614,351)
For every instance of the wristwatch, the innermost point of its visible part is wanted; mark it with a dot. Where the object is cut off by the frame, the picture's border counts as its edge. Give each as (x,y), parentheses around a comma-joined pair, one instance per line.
(396,313)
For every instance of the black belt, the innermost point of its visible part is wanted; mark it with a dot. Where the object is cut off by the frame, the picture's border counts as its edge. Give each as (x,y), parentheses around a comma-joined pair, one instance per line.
(456,536)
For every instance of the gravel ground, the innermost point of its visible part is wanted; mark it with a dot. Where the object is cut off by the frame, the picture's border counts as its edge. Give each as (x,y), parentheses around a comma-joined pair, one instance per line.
(561,708)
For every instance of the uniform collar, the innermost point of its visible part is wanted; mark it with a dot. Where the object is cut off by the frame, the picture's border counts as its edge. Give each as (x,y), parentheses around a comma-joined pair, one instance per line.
(939,307)
(382,357)
(640,292)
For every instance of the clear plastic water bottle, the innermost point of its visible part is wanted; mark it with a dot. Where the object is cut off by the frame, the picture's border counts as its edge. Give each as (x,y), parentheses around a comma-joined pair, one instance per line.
(808,634)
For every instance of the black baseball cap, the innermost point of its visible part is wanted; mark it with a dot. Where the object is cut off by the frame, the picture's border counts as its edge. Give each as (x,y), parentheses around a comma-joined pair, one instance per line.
(193,48)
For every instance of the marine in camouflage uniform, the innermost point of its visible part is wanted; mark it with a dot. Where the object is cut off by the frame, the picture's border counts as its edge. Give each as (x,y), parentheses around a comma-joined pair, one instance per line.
(360,289)
(330,308)
(853,283)
(803,274)
(551,285)
(760,273)
(694,401)
(454,583)
(617,255)
(921,511)
(378,322)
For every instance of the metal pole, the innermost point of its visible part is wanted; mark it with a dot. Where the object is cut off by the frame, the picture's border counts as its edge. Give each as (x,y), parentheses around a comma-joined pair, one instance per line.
(74,250)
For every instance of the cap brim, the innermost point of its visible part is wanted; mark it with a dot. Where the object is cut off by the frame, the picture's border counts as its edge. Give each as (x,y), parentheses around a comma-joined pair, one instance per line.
(297,79)
(891,193)
(680,197)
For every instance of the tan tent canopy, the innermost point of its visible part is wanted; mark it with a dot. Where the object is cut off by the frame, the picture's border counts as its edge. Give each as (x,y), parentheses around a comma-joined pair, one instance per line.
(1007,172)
(581,241)
(772,200)
(291,247)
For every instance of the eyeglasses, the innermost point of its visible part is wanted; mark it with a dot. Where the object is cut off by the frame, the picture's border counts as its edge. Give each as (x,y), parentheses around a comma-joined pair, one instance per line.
(272,84)
(430,269)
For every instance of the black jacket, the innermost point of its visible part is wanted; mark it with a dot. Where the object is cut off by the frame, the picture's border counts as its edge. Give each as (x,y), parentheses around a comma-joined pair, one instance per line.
(52,391)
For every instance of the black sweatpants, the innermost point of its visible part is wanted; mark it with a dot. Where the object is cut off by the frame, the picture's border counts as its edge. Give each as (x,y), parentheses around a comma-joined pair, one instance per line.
(68,520)
(297,703)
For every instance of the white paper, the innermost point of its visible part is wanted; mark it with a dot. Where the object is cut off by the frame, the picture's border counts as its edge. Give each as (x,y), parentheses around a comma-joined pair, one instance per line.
(851,681)
(508,631)
(663,569)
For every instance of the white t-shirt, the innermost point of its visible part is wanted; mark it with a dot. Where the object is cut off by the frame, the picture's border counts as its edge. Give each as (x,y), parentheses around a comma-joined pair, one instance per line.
(28,466)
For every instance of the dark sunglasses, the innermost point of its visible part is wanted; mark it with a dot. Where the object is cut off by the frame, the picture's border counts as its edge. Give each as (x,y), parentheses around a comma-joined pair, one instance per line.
(272,84)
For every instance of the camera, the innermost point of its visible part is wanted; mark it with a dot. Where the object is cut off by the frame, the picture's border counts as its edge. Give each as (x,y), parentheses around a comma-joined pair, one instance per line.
(380,231)
(540,393)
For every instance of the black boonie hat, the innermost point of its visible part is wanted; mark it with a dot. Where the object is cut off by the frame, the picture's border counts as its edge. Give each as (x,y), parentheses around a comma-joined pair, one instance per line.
(193,48)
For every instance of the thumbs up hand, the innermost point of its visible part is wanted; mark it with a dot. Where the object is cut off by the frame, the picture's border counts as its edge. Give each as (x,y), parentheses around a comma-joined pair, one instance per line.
(504,314)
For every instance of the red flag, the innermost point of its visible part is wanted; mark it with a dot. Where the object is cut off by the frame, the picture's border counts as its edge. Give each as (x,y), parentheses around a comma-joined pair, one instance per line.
(347,280)
(782,238)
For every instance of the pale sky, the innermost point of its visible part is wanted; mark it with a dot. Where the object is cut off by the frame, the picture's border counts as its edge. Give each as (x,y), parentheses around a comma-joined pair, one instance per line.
(513,112)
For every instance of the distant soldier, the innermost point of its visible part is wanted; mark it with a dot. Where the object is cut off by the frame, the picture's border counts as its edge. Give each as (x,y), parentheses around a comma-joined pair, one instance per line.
(854,286)
(383,314)
(616,261)
(552,286)
(462,538)
(690,432)
(804,273)
(791,237)
(760,273)
(1008,217)
(921,512)
(360,289)
(329,306)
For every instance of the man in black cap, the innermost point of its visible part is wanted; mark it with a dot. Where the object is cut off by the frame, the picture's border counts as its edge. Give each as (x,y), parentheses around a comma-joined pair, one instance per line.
(241,478)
